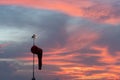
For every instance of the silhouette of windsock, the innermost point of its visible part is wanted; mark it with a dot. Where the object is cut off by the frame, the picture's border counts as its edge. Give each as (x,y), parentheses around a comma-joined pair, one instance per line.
(38,51)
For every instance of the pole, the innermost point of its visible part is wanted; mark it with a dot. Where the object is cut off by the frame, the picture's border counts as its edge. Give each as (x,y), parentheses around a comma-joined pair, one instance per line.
(34,36)
(33,67)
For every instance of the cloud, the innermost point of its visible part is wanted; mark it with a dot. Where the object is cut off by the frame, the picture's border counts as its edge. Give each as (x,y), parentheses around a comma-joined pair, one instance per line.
(19,25)
(8,70)
(101,11)
(20,18)
(73,46)
(109,38)
(19,46)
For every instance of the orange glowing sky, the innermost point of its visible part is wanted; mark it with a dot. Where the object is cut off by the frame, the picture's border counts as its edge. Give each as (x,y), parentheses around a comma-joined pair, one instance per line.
(80,38)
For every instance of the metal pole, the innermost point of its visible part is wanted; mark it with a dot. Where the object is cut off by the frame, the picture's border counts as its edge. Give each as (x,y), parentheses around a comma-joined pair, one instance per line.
(34,36)
(33,67)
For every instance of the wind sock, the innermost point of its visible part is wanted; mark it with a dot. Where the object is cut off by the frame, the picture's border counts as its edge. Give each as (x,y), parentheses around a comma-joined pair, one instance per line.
(38,51)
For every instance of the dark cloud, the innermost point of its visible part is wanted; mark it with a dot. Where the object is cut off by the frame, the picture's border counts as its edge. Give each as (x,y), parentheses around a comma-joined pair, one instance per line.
(51,67)
(118,63)
(88,51)
(15,50)
(21,17)
(95,72)
(31,21)
(110,38)
(9,69)
(91,61)
(6,70)
(48,23)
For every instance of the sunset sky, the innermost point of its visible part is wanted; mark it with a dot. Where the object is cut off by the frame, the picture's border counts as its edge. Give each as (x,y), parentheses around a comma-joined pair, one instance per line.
(80,39)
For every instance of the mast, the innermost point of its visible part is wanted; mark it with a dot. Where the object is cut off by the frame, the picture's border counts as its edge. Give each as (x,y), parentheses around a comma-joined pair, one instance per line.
(33,37)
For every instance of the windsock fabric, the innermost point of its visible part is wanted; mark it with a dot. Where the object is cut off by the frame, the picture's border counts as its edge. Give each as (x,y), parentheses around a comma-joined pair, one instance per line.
(38,51)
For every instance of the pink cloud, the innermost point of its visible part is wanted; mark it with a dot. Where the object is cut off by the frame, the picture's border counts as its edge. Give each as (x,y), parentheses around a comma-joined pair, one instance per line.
(3,45)
(93,10)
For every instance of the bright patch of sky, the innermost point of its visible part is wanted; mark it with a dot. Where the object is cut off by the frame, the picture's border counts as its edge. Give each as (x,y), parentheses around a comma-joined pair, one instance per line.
(13,34)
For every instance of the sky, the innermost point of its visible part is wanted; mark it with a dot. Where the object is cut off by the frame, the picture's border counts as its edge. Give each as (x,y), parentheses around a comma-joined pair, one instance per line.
(80,39)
